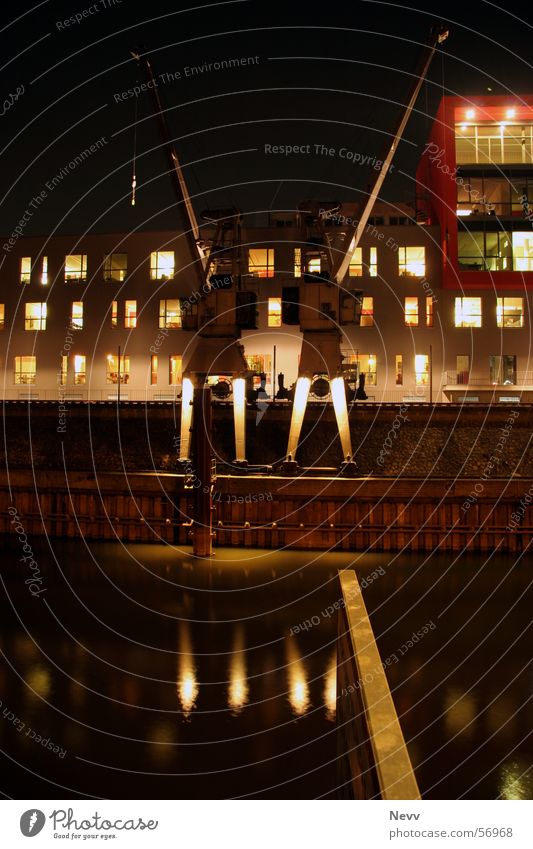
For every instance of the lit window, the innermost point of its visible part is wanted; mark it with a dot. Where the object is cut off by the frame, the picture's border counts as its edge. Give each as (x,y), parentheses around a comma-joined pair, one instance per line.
(399,370)
(25,269)
(468,312)
(429,311)
(25,369)
(502,369)
(274,312)
(462,368)
(297,262)
(161,265)
(356,264)
(63,371)
(118,370)
(412,262)
(2,316)
(411,312)
(356,364)
(76,267)
(79,369)
(35,317)
(261,262)
(522,251)
(76,316)
(174,369)
(169,314)
(510,312)
(130,315)
(44,271)
(114,314)
(367,313)
(373,267)
(115,267)
(421,369)
(153,369)
(314,265)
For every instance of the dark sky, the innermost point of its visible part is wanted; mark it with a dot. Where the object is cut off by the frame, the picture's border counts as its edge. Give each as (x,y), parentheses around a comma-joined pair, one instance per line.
(332,74)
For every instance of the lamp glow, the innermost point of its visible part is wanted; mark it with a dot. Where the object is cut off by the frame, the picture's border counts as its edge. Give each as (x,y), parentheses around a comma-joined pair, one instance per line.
(301,394)
(298,692)
(470,113)
(338,394)
(238,685)
(187,390)
(239,418)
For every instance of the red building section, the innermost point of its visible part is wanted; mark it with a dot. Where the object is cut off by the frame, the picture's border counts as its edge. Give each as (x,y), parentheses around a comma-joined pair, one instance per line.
(475,180)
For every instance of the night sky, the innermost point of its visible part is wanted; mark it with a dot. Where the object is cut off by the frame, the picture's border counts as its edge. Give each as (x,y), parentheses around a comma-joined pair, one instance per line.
(318,74)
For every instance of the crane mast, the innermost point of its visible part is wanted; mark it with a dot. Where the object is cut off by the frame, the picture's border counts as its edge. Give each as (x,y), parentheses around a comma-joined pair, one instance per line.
(325,302)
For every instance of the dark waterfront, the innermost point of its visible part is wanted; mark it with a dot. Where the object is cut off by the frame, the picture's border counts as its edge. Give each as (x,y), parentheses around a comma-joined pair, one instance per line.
(147,674)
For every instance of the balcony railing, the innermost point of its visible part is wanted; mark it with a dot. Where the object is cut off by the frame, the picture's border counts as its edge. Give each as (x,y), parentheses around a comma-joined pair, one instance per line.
(522,378)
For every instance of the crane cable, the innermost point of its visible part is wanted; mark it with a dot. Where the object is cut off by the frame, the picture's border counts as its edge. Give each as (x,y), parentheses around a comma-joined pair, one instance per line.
(134,160)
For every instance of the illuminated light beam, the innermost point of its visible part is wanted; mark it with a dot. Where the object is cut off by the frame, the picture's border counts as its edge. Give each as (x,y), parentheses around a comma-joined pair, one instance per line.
(338,393)
(301,394)
(186,418)
(239,418)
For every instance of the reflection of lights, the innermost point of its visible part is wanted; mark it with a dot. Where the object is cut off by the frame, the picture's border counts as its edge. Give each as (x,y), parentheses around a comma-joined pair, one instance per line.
(238,686)
(338,394)
(239,415)
(500,717)
(187,686)
(161,740)
(515,783)
(301,393)
(463,128)
(330,688)
(38,679)
(460,713)
(187,390)
(298,687)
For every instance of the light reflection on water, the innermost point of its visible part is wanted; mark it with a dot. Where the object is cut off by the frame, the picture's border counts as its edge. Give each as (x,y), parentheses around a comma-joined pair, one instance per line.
(177,683)
(187,684)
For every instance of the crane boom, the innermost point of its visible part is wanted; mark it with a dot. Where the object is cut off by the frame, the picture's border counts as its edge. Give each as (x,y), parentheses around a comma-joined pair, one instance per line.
(189,222)
(353,236)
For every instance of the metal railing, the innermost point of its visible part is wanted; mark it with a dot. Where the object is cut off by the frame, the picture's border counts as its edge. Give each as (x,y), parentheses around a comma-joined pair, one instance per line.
(453,378)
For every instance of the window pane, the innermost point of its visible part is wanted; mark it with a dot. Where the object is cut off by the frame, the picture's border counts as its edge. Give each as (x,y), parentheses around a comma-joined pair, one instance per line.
(76,317)
(367,312)
(421,369)
(463,368)
(76,267)
(523,251)
(261,262)
(274,312)
(429,311)
(44,275)
(399,370)
(510,312)
(373,267)
(153,369)
(114,366)
(412,261)
(79,369)
(468,312)
(130,314)
(411,312)
(25,370)
(115,267)
(297,262)
(161,265)
(35,317)
(2,316)
(174,370)
(170,313)
(114,314)
(25,269)
(356,265)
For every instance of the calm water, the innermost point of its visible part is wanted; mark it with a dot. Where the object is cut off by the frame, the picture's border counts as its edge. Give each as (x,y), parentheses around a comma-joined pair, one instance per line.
(141,673)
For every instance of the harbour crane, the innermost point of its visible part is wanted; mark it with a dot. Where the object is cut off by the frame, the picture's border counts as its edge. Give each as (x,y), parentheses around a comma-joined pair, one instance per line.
(325,301)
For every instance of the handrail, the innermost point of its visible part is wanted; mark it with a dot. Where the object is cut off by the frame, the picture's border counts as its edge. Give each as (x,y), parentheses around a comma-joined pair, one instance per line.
(388,756)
